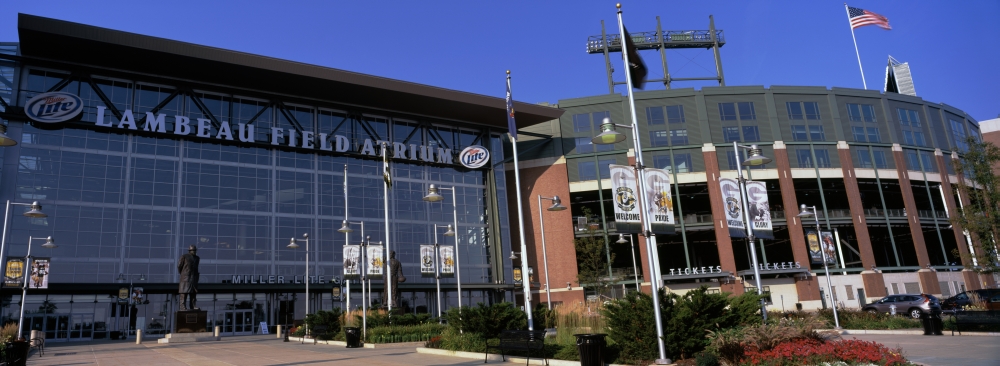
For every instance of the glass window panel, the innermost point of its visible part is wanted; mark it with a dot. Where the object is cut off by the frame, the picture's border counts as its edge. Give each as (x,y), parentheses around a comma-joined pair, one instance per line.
(816,133)
(588,170)
(873,135)
(584,145)
(731,134)
(654,115)
(880,159)
(864,158)
(747,112)
(675,113)
(812,110)
(869,112)
(822,158)
(678,137)
(658,138)
(604,165)
(598,118)
(727,111)
(750,133)
(799,133)
(794,110)
(859,134)
(804,158)
(581,122)
(854,112)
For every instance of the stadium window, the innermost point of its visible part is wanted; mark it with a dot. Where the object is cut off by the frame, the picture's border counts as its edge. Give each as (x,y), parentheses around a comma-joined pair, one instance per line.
(822,158)
(925,157)
(794,110)
(604,165)
(861,112)
(912,162)
(678,137)
(584,145)
(873,135)
(804,158)
(658,138)
(864,159)
(730,134)
(654,115)
(727,111)
(682,163)
(880,159)
(908,117)
(799,133)
(958,135)
(598,118)
(859,134)
(816,133)
(581,122)
(675,114)
(908,137)
(604,147)
(587,170)
(747,112)
(661,161)
(918,139)
(751,134)
(812,110)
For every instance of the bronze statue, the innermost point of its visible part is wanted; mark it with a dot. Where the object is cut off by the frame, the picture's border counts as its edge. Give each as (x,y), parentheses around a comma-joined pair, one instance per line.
(396,269)
(188,289)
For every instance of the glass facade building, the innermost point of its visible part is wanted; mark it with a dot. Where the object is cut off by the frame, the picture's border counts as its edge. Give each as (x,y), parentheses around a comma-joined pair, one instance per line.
(126,192)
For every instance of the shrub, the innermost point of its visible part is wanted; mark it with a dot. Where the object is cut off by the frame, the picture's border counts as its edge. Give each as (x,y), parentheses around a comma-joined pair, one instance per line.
(746,308)
(692,317)
(630,323)
(381,318)
(404,333)
(328,318)
(543,317)
(486,320)
(811,351)
(452,339)
(7,332)
(706,359)
(854,319)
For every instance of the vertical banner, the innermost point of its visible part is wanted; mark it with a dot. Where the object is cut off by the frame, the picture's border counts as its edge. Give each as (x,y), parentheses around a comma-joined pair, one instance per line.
(39,273)
(661,210)
(427,260)
(376,261)
(14,274)
(759,210)
(733,206)
(623,188)
(352,261)
(829,246)
(518,278)
(138,295)
(446,254)
(815,256)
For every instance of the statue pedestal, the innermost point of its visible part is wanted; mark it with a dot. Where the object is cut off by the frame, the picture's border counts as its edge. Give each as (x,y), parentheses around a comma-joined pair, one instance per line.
(190,321)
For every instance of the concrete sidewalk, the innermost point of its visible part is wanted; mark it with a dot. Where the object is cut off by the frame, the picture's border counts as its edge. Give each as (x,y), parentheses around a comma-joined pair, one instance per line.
(243,351)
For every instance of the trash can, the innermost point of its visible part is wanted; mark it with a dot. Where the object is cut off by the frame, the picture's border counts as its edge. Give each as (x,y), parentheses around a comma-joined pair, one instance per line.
(353,336)
(16,353)
(932,323)
(591,348)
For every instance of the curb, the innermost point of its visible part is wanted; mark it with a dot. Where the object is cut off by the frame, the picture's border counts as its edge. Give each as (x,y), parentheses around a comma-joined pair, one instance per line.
(496,357)
(909,332)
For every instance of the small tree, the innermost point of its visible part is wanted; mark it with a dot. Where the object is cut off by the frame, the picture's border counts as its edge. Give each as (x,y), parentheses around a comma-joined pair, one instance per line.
(592,260)
(980,216)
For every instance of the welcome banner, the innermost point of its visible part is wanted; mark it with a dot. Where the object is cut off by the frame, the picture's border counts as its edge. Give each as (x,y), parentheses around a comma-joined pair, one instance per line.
(733,206)
(427,260)
(626,199)
(352,261)
(446,254)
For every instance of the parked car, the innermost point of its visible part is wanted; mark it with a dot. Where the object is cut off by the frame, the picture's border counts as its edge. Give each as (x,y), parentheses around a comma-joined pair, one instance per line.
(912,305)
(960,301)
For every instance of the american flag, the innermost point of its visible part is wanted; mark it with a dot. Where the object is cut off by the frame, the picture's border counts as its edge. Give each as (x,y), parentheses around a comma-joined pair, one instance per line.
(861,17)
(511,125)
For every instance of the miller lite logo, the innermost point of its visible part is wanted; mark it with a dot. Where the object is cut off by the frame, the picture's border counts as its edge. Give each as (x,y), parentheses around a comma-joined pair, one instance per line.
(474,156)
(53,107)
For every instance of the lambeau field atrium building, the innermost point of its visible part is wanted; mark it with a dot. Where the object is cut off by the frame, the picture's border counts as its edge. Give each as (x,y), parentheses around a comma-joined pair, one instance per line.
(138,147)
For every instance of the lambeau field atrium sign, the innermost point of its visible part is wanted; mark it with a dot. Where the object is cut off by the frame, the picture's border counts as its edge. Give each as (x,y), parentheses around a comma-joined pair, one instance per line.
(55,107)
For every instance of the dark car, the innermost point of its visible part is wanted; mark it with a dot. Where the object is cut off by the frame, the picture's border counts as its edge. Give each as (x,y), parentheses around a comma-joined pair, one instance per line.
(960,301)
(912,305)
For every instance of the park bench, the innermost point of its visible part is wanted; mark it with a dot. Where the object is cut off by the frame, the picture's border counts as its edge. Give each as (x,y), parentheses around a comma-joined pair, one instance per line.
(990,317)
(519,340)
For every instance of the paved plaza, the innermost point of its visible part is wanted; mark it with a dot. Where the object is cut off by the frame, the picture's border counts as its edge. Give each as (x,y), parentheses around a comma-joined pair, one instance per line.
(267,350)
(243,351)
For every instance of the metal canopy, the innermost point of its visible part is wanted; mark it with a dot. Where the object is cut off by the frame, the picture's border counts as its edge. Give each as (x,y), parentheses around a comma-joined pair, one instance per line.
(50,40)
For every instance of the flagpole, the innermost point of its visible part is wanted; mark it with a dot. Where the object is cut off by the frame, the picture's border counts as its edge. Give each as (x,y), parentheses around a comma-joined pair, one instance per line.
(856,47)
(388,251)
(525,280)
(651,251)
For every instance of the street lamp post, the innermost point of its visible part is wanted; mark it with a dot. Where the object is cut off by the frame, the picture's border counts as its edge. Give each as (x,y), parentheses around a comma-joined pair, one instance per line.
(434,196)
(635,268)
(755,158)
(293,245)
(128,314)
(49,244)
(437,263)
(556,206)
(807,211)
(35,212)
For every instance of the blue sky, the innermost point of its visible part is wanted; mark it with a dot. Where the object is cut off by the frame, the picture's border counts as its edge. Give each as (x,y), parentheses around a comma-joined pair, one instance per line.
(952,47)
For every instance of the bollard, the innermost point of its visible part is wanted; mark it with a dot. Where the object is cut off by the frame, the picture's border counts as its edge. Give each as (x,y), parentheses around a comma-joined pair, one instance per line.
(138,336)
(218,329)
(279,331)
(35,334)
(286,334)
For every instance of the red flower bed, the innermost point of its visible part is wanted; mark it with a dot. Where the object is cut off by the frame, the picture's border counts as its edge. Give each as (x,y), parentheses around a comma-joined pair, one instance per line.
(810,351)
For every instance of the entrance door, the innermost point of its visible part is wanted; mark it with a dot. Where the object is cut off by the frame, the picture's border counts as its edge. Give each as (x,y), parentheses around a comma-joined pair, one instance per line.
(238,322)
(83,327)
